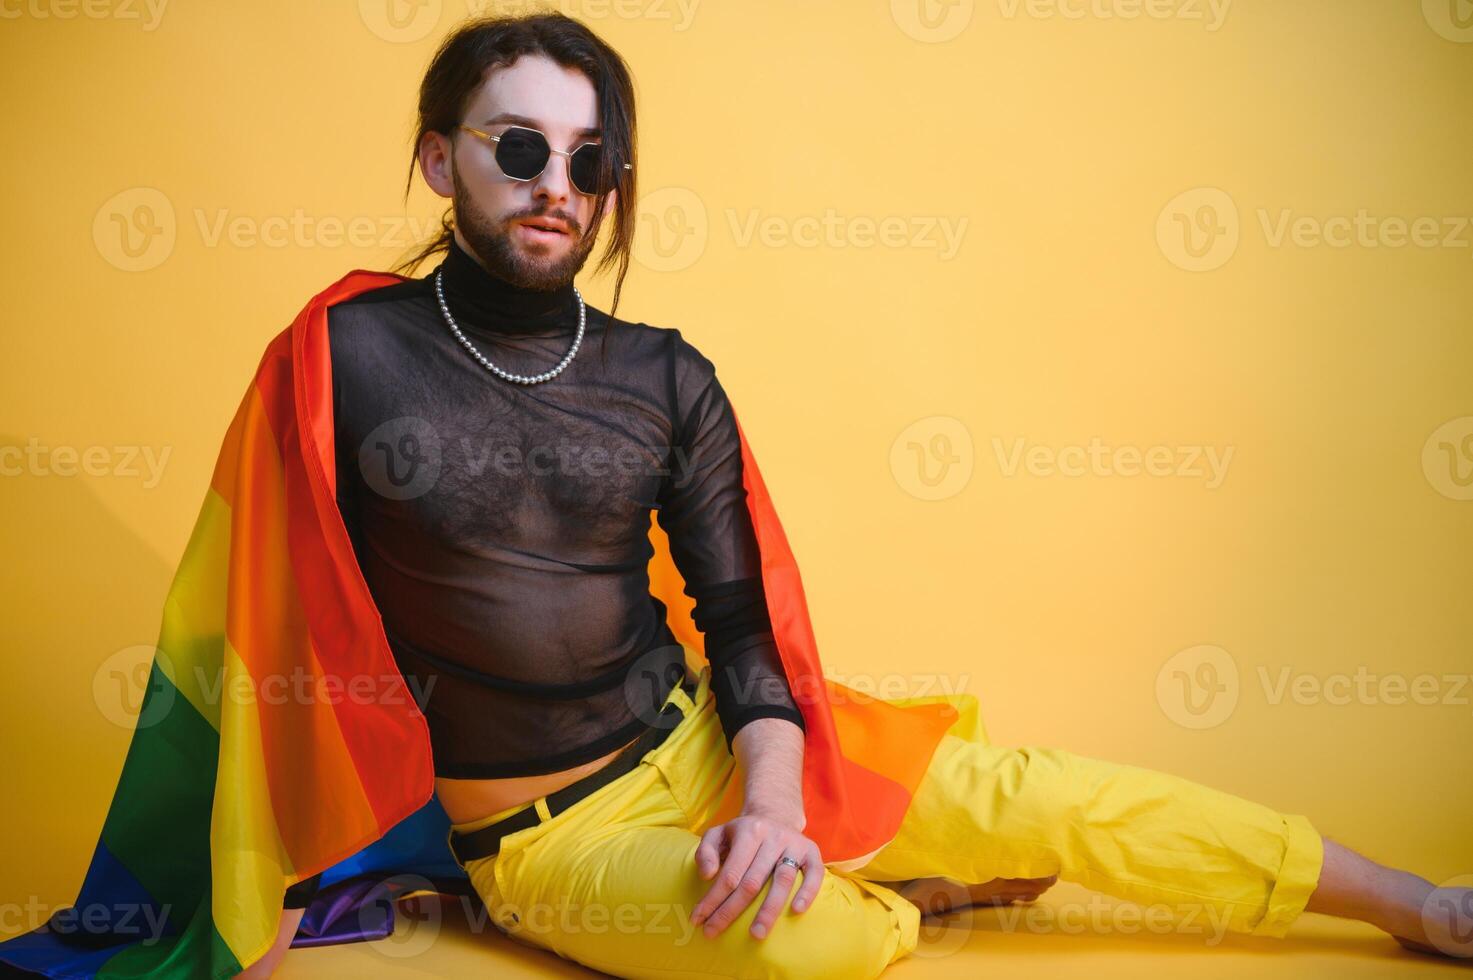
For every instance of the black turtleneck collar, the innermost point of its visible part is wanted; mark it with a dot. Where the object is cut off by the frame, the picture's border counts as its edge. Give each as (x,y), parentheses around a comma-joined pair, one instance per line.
(488,304)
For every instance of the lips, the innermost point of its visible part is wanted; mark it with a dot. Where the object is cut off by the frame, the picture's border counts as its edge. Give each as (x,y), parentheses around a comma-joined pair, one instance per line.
(545,226)
(542,232)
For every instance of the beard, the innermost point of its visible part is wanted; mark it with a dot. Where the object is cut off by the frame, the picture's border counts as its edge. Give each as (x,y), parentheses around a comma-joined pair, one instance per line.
(491,242)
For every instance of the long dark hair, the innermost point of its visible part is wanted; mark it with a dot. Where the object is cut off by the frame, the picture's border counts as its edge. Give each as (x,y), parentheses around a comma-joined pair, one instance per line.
(460,66)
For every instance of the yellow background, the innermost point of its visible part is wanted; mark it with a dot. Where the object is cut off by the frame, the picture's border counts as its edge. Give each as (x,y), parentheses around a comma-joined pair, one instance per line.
(1063,147)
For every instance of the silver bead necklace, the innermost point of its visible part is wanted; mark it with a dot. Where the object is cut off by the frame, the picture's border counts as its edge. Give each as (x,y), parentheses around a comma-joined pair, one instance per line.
(486,363)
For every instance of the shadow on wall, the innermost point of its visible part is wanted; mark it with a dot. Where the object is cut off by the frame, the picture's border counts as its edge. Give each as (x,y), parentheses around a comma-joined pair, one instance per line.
(82,602)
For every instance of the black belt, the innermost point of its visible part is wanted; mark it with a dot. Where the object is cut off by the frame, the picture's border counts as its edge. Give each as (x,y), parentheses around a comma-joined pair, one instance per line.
(487,840)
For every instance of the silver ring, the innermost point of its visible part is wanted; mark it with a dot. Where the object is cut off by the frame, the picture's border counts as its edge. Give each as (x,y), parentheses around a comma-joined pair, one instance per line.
(787,860)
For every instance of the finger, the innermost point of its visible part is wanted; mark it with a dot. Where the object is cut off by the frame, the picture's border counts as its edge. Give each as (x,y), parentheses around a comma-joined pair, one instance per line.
(783,876)
(753,880)
(744,844)
(813,872)
(708,852)
(708,862)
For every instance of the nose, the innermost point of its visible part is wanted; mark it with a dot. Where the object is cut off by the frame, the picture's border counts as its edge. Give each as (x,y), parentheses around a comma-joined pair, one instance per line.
(555,184)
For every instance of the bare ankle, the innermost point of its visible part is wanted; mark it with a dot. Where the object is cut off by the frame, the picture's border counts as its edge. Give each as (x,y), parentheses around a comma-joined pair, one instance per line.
(1353,886)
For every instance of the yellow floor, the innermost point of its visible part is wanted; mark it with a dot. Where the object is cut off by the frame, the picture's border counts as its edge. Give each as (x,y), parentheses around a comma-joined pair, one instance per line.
(1071,933)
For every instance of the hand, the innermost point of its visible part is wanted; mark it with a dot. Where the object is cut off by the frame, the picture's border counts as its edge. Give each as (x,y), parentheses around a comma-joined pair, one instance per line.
(754,844)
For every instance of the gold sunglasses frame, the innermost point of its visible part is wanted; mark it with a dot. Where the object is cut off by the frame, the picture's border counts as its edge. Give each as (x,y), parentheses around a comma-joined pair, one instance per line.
(550,147)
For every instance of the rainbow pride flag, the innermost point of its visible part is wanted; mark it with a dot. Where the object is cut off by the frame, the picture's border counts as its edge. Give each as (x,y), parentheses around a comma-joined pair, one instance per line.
(238,784)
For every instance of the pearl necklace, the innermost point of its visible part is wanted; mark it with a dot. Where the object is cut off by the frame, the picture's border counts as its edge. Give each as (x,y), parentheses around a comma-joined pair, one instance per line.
(518,378)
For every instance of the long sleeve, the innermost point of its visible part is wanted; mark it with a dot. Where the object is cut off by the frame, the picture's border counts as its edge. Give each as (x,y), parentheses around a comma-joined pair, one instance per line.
(348,477)
(502,530)
(703,510)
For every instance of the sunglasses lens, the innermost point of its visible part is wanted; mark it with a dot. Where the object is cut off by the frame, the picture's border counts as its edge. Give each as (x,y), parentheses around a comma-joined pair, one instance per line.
(585,168)
(521,153)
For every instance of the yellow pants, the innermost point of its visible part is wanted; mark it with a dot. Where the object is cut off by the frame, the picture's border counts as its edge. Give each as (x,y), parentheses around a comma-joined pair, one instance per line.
(611,881)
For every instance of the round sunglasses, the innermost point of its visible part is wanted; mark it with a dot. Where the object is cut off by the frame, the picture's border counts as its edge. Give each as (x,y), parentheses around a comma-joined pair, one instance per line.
(522,154)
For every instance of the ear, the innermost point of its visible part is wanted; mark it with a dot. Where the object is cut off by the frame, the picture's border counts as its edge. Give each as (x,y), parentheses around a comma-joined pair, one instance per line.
(435,161)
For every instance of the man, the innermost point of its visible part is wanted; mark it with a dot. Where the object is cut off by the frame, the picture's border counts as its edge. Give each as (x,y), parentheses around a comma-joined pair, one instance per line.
(509,571)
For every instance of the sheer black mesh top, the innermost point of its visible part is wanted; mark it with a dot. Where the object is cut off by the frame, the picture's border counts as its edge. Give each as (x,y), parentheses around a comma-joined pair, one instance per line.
(503,528)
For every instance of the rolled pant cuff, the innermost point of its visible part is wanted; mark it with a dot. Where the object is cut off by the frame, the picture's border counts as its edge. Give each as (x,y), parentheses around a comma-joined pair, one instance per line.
(1298,877)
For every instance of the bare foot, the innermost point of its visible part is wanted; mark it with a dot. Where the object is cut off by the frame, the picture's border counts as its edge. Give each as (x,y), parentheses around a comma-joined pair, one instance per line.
(1436,920)
(1416,946)
(1443,926)
(936,896)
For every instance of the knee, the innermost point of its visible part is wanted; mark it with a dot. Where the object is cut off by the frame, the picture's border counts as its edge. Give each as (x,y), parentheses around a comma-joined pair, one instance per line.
(1077,802)
(832,955)
(843,936)
(1043,794)
(1047,774)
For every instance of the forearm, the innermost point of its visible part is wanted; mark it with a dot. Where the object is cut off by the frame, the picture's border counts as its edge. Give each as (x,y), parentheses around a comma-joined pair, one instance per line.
(769,752)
